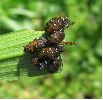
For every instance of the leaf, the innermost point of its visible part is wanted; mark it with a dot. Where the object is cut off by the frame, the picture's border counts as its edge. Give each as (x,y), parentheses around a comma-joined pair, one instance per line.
(14,63)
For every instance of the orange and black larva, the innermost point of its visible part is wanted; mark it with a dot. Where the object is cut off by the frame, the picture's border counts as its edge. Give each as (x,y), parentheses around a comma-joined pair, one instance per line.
(47,49)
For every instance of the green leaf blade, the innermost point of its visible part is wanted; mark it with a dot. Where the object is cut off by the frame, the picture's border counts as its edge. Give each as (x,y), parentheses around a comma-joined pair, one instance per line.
(14,63)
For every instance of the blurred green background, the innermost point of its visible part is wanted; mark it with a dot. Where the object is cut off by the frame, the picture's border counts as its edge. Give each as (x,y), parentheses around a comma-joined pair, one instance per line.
(82,72)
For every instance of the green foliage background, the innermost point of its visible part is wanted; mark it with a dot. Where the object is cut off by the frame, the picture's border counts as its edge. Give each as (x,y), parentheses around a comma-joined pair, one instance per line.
(81,75)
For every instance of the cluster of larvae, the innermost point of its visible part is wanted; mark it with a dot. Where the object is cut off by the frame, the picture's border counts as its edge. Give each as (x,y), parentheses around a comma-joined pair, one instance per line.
(47,49)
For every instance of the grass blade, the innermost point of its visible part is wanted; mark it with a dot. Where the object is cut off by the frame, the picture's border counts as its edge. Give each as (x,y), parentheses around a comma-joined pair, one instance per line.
(14,63)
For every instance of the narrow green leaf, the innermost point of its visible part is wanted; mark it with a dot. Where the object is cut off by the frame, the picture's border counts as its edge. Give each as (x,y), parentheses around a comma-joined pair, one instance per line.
(14,63)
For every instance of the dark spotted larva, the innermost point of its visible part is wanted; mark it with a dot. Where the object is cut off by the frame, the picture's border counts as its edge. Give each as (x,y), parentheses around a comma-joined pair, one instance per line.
(54,29)
(48,53)
(56,24)
(52,65)
(34,45)
(55,64)
(56,37)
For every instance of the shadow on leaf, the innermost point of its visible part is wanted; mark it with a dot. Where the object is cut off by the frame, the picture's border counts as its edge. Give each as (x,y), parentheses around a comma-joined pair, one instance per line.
(26,67)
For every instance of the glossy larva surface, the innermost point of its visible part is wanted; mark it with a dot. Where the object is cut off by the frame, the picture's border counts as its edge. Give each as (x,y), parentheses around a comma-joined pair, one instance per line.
(47,50)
